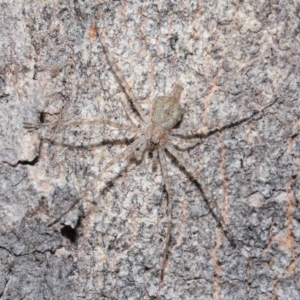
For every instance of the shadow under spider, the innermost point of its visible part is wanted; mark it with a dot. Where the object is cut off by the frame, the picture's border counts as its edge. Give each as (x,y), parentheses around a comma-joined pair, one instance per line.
(105,142)
(153,133)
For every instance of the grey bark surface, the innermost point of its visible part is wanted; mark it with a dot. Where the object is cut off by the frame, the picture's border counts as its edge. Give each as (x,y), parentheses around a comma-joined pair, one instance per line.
(232,57)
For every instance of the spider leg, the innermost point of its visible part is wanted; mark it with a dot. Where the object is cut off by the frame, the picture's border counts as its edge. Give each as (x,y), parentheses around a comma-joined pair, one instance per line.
(104,122)
(190,143)
(123,83)
(209,129)
(129,112)
(176,90)
(208,197)
(31,126)
(154,160)
(163,163)
(127,152)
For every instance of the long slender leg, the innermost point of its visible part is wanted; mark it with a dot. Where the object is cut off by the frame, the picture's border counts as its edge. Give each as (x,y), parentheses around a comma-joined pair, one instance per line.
(154,160)
(205,191)
(209,129)
(176,91)
(83,122)
(189,144)
(129,112)
(163,163)
(123,82)
(127,152)
(104,122)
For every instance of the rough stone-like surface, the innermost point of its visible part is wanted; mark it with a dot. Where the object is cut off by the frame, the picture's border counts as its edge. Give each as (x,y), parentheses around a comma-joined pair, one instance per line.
(232,57)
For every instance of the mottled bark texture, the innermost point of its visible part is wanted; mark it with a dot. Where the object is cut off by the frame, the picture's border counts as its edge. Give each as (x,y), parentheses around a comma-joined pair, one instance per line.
(232,57)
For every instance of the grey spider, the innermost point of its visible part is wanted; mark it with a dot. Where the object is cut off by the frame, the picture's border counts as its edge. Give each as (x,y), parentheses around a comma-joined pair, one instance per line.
(154,134)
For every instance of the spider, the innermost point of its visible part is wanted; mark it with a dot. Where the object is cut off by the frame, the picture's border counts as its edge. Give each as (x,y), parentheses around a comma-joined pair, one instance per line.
(154,133)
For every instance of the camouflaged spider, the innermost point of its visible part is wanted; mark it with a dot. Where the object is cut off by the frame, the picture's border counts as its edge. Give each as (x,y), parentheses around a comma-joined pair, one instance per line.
(154,134)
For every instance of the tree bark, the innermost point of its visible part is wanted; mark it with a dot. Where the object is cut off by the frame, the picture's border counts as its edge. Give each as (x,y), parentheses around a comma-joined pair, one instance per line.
(232,57)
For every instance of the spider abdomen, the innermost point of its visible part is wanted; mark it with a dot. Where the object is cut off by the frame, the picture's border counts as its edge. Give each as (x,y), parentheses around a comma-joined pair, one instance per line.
(167,112)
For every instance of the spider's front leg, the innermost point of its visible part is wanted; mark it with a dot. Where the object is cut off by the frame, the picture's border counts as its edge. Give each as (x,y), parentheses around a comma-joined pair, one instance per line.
(126,87)
(32,126)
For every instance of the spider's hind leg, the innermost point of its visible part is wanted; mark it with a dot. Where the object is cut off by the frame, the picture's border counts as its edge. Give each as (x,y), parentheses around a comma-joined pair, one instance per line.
(163,163)
(207,195)
(125,154)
